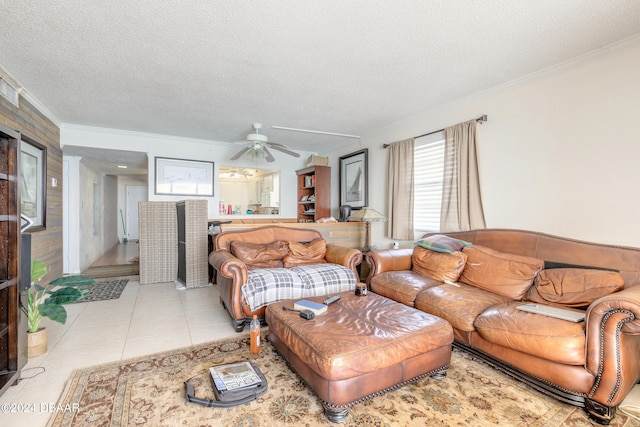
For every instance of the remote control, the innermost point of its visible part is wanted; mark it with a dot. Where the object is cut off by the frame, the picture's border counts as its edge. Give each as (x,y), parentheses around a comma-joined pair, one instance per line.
(331,300)
(305,314)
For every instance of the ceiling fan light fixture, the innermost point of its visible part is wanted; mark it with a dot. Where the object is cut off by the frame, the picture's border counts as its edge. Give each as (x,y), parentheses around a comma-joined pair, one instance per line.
(256,151)
(257,137)
(258,145)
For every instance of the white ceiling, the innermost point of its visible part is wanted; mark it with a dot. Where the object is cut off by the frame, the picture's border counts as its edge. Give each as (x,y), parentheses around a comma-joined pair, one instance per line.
(209,69)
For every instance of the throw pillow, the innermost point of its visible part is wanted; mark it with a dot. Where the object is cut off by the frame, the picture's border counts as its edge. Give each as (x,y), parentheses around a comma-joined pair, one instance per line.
(438,266)
(305,253)
(574,287)
(442,243)
(260,255)
(505,274)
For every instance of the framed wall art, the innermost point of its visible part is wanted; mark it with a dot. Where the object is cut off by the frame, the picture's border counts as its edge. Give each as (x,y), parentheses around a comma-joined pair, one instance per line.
(178,177)
(354,178)
(33,183)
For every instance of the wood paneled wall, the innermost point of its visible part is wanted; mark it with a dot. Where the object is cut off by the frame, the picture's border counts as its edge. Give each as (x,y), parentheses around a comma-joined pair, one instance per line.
(46,245)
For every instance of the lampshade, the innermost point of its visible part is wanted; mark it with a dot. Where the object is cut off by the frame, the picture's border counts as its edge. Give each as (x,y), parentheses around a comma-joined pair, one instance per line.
(367,214)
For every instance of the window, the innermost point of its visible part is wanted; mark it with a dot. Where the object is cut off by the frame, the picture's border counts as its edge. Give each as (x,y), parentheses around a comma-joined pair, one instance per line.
(428,167)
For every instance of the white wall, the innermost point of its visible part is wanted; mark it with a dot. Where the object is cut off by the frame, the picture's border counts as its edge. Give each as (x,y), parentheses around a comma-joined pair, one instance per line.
(90,241)
(109,212)
(91,247)
(560,152)
(190,149)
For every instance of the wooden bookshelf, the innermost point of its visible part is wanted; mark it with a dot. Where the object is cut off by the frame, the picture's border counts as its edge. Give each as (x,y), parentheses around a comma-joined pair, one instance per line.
(314,193)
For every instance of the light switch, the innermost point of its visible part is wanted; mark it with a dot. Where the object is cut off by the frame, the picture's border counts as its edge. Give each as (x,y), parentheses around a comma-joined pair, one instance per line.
(54,182)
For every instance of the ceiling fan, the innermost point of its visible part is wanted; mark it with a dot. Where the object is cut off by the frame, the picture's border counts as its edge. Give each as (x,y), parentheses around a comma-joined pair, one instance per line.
(233,172)
(257,145)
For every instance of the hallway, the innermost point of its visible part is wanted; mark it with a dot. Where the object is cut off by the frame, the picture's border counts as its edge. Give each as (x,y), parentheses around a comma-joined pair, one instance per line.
(121,260)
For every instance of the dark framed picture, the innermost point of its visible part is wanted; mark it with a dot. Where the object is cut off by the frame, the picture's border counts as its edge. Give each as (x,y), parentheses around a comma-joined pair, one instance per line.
(33,183)
(178,177)
(354,177)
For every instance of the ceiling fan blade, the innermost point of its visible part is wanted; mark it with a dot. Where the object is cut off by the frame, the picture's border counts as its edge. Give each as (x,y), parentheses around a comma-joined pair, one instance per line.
(276,144)
(268,156)
(241,141)
(285,150)
(240,153)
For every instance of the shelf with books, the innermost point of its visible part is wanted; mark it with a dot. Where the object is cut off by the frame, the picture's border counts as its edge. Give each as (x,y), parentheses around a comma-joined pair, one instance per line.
(314,193)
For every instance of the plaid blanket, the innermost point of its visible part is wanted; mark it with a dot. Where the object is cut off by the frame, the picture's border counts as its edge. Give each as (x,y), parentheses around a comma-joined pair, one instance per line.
(267,285)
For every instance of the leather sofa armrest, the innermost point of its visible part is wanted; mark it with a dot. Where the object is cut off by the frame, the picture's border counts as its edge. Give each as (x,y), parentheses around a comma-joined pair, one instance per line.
(388,260)
(235,275)
(613,341)
(347,257)
(229,266)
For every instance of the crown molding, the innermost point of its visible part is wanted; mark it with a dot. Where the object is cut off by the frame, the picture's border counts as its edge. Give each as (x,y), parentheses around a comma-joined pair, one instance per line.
(24,93)
(619,46)
(29,97)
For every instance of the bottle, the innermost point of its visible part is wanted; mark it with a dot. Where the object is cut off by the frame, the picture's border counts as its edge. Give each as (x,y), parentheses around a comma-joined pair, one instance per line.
(229,209)
(221,207)
(254,328)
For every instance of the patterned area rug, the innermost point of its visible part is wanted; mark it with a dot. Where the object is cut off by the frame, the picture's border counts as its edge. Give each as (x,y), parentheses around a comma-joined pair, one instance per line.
(149,391)
(105,290)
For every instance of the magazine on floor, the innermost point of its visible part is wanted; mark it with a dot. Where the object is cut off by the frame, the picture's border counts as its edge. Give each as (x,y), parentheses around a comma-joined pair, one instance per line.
(234,377)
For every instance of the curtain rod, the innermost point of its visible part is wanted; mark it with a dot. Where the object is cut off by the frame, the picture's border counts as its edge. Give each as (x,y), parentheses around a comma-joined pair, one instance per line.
(481,119)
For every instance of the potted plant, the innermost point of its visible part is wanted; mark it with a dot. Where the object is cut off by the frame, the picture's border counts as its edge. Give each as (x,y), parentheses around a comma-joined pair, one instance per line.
(47,301)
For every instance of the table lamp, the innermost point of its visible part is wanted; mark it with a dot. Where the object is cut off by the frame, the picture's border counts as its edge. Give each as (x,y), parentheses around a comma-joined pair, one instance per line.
(367,215)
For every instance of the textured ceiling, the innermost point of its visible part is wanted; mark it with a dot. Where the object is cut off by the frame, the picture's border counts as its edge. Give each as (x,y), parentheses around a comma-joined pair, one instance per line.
(208,69)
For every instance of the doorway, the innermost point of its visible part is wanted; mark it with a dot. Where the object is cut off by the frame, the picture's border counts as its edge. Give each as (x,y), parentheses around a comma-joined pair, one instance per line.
(134,194)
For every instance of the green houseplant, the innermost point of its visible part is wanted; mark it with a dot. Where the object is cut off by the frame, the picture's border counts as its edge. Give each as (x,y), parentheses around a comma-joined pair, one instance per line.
(47,300)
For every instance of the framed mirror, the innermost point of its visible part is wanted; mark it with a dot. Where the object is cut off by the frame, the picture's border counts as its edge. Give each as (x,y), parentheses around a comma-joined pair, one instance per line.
(33,185)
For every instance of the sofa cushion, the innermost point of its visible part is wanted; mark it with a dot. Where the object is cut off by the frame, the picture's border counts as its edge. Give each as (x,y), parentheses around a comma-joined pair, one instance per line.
(505,274)
(402,285)
(445,267)
(442,243)
(305,253)
(260,255)
(457,303)
(542,336)
(573,287)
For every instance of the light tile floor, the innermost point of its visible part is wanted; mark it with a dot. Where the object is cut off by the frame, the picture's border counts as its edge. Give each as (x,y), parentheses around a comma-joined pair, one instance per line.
(146,319)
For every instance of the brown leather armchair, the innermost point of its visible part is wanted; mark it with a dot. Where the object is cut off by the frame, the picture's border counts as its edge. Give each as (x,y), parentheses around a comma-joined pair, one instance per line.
(232,273)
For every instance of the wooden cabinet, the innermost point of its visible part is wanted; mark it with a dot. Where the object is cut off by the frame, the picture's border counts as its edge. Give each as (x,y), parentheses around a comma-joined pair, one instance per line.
(314,193)
(9,259)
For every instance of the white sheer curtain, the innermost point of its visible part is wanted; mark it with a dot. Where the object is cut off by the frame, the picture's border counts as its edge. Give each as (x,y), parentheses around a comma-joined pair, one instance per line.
(400,190)
(461,201)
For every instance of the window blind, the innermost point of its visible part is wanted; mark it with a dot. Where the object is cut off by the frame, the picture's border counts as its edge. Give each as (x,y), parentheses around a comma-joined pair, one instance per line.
(428,175)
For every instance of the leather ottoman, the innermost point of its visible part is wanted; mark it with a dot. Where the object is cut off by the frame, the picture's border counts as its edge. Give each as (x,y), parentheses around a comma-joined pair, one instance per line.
(362,347)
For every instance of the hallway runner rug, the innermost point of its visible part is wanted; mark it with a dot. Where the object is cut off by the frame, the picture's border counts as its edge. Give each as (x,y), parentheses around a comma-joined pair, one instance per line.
(105,290)
(149,391)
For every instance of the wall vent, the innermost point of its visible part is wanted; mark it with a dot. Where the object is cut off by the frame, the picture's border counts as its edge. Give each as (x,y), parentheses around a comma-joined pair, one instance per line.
(8,91)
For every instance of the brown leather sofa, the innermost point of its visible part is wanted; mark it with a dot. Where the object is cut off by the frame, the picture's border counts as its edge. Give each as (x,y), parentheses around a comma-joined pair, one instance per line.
(232,272)
(593,364)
